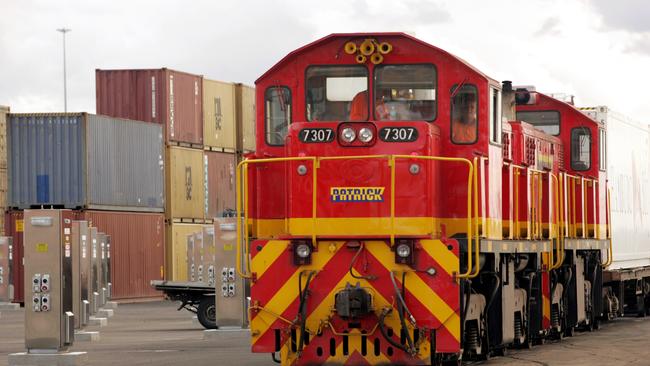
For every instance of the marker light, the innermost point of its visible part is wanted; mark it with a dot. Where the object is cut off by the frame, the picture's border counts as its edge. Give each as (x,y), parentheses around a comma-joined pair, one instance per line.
(365,135)
(348,135)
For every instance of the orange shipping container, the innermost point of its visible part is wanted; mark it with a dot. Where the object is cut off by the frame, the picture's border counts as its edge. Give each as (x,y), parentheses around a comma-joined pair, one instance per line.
(220,193)
(137,250)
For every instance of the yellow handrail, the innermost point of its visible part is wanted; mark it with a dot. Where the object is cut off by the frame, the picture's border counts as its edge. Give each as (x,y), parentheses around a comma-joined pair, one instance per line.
(242,169)
(558,220)
(477,247)
(242,182)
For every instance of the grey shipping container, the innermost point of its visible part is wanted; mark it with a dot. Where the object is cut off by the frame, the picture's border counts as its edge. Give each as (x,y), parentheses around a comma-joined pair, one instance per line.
(80,160)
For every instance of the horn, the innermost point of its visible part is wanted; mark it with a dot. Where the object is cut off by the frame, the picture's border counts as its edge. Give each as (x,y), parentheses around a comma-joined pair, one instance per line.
(361,59)
(376,58)
(350,48)
(385,47)
(367,47)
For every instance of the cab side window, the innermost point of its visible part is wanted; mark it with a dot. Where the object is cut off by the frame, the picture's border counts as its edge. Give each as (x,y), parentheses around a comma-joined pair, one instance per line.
(277,114)
(580,149)
(464,114)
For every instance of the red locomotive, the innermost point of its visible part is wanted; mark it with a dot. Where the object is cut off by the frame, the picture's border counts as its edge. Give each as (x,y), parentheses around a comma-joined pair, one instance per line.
(398,211)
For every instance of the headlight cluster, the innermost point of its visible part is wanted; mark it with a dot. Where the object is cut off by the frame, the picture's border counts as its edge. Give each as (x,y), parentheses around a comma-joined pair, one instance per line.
(357,134)
(404,251)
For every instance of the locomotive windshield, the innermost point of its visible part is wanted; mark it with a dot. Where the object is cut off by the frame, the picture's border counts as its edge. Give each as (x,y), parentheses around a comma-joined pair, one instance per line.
(405,93)
(547,121)
(331,91)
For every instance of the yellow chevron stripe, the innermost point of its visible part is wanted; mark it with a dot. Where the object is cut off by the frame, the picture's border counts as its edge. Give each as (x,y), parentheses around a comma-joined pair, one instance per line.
(289,291)
(436,305)
(439,252)
(264,259)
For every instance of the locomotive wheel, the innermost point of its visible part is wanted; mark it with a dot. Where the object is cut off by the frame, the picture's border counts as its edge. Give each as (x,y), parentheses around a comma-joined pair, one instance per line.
(207,313)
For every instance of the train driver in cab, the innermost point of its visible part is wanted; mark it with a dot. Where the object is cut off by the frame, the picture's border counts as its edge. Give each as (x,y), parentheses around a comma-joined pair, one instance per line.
(464,115)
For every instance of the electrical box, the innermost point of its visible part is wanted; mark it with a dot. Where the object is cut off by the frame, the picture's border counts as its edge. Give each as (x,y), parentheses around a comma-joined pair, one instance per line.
(94,270)
(191,270)
(105,266)
(99,265)
(209,255)
(80,271)
(49,320)
(6,259)
(231,300)
(107,270)
(198,257)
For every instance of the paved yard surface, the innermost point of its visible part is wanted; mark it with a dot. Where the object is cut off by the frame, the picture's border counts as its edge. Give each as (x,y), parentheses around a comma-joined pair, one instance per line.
(154,333)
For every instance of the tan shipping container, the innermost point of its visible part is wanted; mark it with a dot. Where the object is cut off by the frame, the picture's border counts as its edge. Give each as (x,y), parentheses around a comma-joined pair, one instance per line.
(219,115)
(3,137)
(220,193)
(176,261)
(184,185)
(245,117)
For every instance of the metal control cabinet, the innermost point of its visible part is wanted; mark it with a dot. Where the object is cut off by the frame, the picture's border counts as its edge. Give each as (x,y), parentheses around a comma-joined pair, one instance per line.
(191,270)
(107,268)
(208,255)
(6,259)
(94,270)
(198,256)
(49,321)
(99,265)
(230,288)
(80,271)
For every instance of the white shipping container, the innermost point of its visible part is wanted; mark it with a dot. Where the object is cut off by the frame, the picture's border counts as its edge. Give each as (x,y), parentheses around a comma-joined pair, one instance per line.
(628,174)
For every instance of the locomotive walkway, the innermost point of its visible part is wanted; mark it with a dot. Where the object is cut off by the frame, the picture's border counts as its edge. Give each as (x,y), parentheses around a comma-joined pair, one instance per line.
(156,334)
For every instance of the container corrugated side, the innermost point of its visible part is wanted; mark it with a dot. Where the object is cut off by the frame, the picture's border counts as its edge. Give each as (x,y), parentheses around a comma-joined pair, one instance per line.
(3,136)
(46,160)
(220,194)
(164,96)
(85,161)
(185,192)
(137,250)
(125,165)
(219,114)
(247,118)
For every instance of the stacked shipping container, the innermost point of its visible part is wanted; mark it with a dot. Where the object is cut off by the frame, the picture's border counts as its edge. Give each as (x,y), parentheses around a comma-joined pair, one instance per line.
(207,123)
(88,162)
(3,165)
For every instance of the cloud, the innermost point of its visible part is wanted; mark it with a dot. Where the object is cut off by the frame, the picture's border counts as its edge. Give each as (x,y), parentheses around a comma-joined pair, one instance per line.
(550,27)
(630,15)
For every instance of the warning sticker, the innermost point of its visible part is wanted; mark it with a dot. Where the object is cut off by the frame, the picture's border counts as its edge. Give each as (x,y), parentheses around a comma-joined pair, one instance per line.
(41,247)
(20,224)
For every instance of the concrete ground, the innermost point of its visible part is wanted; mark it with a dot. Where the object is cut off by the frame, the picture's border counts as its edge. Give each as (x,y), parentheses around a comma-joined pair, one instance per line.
(154,333)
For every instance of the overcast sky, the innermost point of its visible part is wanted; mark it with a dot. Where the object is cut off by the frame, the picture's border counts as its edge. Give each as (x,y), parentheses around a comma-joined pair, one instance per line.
(597,50)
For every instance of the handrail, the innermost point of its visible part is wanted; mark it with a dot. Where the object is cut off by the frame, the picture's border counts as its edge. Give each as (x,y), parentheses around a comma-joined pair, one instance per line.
(610,251)
(242,182)
(558,234)
(243,267)
(477,246)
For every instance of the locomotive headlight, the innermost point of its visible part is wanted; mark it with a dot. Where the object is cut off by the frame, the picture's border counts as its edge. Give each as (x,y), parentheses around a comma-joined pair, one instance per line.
(365,135)
(403,250)
(303,250)
(348,135)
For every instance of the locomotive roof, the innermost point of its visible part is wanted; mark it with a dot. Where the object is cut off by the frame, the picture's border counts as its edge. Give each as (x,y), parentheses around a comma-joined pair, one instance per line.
(291,55)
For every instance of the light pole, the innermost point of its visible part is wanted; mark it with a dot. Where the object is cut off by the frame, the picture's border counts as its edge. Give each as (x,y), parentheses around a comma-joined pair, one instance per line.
(65,82)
